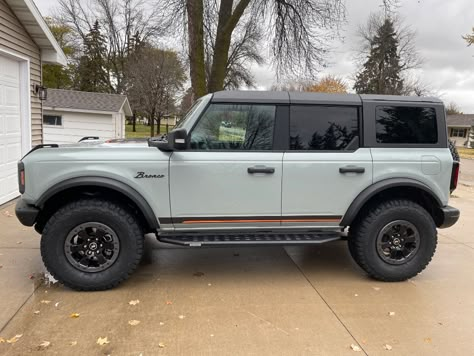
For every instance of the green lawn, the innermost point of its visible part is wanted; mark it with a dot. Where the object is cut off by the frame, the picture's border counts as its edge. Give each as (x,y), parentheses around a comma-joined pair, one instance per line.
(466,152)
(142,131)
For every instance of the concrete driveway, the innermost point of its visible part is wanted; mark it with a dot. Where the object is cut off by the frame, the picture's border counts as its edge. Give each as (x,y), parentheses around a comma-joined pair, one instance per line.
(244,301)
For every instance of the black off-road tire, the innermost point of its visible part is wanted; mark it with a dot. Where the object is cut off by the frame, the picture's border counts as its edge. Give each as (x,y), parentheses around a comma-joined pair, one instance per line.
(363,240)
(115,216)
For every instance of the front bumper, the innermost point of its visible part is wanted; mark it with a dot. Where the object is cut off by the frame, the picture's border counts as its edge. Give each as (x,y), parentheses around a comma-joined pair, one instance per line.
(27,214)
(450,216)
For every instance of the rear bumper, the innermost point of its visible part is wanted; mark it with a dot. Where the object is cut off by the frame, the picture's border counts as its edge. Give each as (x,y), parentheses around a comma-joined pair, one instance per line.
(450,216)
(27,214)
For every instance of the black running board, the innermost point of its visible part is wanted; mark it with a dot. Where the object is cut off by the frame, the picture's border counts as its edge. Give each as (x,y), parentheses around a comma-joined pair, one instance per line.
(197,240)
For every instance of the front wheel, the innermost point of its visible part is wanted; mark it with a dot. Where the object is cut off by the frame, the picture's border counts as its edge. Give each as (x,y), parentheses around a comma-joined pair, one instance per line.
(394,241)
(92,244)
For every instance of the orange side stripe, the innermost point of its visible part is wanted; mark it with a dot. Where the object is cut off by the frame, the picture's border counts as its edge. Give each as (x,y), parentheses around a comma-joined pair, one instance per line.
(256,221)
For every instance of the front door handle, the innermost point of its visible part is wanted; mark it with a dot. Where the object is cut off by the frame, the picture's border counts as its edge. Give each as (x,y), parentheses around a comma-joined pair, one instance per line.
(351,169)
(261,169)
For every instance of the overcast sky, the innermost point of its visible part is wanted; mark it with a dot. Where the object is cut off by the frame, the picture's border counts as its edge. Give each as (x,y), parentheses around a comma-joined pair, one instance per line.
(448,66)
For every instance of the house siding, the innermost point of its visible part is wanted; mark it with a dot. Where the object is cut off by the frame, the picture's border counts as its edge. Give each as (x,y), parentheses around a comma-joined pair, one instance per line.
(76,125)
(15,39)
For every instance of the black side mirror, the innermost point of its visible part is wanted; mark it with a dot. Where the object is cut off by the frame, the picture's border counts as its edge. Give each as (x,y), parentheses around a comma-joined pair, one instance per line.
(176,140)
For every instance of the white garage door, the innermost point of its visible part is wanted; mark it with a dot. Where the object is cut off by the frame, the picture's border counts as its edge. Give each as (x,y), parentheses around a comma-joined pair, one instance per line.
(10,128)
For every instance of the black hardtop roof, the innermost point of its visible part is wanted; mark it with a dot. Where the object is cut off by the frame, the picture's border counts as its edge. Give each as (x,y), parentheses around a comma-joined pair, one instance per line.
(285,97)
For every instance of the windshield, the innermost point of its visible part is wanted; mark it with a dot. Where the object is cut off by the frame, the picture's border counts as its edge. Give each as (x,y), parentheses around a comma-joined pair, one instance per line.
(189,113)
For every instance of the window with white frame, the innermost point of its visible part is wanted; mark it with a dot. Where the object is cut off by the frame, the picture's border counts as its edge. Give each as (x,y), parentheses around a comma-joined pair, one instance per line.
(458,132)
(53,120)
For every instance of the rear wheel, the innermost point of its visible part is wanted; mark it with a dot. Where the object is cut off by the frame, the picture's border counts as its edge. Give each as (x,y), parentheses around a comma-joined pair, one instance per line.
(92,244)
(394,241)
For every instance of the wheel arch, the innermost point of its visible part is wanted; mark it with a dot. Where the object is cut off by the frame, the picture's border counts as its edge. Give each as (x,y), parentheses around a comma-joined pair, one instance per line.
(395,188)
(90,186)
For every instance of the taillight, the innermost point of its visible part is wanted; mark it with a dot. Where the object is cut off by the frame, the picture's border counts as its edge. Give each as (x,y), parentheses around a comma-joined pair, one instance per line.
(21,177)
(454,176)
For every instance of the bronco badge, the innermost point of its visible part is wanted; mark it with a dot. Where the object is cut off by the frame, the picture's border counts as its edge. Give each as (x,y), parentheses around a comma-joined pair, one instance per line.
(144,175)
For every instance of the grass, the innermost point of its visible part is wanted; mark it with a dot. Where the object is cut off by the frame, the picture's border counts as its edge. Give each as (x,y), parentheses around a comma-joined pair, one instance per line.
(466,152)
(142,130)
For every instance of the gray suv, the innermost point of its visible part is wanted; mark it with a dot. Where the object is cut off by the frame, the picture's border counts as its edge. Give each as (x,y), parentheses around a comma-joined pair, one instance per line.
(250,168)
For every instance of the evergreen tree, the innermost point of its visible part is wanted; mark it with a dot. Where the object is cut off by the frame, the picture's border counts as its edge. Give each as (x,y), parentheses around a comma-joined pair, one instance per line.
(381,72)
(91,73)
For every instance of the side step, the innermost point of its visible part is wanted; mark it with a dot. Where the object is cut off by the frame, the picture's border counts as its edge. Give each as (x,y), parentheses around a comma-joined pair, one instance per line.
(250,239)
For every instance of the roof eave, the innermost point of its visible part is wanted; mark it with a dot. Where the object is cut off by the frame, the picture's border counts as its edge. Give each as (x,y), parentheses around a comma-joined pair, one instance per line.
(32,20)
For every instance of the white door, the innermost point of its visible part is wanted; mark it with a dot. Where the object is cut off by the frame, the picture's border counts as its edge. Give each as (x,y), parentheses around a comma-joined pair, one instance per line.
(10,128)
(229,177)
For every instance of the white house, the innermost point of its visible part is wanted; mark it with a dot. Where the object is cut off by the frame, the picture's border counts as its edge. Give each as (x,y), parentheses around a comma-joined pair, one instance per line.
(461,129)
(70,115)
(25,44)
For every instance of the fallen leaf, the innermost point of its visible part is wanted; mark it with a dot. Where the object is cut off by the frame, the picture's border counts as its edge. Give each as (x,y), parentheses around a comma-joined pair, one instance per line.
(134,302)
(2,340)
(356,295)
(14,339)
(19,242)
(36,312)
(7,214)
(376,288)
(74,315)
(212,335)
(355,348)
(102,341)
(387,347)
(198,274)
(45,301)
(427,339)
(161,345)
(169,302)
(134,322)
(73,343)
(181,317)
(44,345)
(57,304)
(209,284)
(161,323)
(391,313)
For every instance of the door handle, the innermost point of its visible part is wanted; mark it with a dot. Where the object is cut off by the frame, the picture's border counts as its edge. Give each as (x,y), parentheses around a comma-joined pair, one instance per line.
(351,169)
(261,169)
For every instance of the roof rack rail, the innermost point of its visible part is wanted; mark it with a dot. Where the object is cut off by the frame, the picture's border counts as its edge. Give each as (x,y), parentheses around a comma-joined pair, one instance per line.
(85,138)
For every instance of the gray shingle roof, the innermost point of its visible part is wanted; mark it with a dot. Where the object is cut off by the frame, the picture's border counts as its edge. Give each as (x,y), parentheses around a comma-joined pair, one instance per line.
(82,100)
(460,120)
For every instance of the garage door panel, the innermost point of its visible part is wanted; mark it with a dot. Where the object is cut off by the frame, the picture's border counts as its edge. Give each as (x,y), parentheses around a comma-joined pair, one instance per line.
(10,128)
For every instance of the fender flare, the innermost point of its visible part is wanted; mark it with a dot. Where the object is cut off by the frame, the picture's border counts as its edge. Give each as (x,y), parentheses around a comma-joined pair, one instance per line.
(109,183)
(378,187)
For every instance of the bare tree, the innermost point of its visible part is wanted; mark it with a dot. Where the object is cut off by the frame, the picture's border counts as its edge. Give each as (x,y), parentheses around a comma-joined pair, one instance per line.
(154,77)
(296,34)
(124,22)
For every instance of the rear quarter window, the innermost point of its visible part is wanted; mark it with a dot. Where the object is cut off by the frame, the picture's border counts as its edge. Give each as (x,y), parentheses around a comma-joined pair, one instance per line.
(406,124)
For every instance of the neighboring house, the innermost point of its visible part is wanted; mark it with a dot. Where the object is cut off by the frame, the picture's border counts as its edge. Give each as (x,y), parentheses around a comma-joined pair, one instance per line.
(25,43)
(70,115)
(460,128)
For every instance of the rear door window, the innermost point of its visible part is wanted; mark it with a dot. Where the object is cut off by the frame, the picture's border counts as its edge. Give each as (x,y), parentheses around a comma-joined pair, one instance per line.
(323,128)
(406,124)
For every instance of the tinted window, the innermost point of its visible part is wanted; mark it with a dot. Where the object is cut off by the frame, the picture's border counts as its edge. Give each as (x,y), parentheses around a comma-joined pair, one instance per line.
(52,120)
(403,124)
(235,127)
(323,128)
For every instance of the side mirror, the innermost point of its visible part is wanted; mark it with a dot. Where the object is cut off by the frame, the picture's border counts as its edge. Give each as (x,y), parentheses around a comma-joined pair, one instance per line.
(176,140)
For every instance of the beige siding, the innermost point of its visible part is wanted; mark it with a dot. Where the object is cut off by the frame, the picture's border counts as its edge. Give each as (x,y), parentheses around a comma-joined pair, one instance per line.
(14,38)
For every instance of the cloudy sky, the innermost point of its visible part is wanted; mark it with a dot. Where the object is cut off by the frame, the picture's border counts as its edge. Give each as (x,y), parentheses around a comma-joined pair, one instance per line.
(448,66)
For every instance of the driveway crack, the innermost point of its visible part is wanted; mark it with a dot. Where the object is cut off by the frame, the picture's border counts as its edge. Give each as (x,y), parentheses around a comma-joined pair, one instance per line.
(327,304)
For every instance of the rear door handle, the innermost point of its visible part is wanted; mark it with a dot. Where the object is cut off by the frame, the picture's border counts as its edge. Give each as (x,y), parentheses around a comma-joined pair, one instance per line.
(351,169)
(261,169)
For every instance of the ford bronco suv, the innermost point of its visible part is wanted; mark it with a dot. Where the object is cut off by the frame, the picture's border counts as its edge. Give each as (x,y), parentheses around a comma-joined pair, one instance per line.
(250,168)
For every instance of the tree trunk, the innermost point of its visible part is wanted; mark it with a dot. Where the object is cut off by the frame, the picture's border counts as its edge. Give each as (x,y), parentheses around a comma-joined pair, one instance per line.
(152,123)
(158,123)
(225,27)
(195,11)
(134,121)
